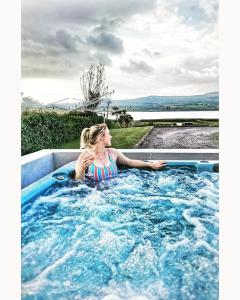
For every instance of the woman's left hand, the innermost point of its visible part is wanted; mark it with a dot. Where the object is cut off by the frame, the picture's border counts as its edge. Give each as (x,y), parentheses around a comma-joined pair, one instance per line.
(156,165)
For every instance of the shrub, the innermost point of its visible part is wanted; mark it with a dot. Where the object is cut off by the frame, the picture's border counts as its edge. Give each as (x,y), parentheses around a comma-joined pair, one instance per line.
(125,120)
(112,124)
(47,130)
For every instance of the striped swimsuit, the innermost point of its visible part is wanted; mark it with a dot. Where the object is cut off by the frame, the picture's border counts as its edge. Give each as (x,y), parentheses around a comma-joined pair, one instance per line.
(101,173)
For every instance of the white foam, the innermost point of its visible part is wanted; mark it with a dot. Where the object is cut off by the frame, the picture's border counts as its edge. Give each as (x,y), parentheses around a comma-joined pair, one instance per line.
(63,220)
(107,238)
(180,201)
(125,291)
(141,260)
(40,280)
(165,181)
(199,229)
(34,285)
(111,297)
(204,244)
(184,242)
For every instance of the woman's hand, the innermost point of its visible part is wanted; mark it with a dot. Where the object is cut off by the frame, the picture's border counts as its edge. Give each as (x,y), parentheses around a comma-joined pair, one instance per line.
(85,160)
(156,165)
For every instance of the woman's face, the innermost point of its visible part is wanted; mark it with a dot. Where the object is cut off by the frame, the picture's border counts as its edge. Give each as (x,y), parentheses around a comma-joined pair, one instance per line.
(107,138)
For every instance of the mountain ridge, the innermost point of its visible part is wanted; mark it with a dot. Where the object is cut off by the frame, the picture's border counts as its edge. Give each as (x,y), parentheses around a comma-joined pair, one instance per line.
(207,101)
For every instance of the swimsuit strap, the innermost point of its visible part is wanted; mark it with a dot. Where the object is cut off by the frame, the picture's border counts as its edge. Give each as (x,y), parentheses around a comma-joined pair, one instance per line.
(110,156)
(113,163)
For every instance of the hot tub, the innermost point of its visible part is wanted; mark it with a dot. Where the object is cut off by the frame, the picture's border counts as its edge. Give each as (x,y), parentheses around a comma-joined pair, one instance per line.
(143,235)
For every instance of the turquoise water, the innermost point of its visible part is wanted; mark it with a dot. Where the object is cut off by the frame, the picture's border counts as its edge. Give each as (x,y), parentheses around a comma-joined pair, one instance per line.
(145,235)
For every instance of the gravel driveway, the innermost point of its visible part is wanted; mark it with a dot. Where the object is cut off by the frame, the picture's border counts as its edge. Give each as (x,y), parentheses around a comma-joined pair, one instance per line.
(182,137)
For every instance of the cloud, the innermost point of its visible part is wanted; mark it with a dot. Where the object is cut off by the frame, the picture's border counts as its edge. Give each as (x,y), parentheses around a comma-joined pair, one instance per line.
(108,25)
(191,72)
(82,12)
(151,54)
(200,63)
(106,41)
(102,58)
(210,8)
(61,32)
(66,40)
(60,66)
(175,41)
(195,12)
(137,67)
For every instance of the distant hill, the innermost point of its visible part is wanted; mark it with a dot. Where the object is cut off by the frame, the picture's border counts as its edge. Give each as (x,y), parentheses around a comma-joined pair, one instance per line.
(211,94)
(208,101)
(30,103)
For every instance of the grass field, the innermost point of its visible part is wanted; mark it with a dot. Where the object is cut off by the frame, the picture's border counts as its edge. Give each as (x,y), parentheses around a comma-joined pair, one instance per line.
(122,138)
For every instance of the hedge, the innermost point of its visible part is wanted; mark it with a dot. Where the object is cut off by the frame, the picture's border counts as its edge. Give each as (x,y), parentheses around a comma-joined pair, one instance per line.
(48,130)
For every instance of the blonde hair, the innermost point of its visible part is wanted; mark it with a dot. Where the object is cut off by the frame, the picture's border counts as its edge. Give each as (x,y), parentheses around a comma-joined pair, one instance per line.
(90,136)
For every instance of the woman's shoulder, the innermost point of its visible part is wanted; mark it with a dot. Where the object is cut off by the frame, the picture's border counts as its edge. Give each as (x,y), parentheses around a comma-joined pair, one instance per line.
(114,152)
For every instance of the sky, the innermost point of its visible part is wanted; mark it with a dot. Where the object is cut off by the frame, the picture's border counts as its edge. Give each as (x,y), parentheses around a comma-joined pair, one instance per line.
(149,47)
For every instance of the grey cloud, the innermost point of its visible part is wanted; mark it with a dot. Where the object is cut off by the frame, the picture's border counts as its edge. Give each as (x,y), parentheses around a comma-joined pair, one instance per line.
(194,70)
(156,54)
(198,70)
(66,40)
(61,66)
(183,76)
(32,50)
(146,51)
(197,63)
(61,39)
(81,12)
(137,67)
(107,41)
(108,25)
(75,30)
(64,54)
(196,13)
(102,58)
(151,54)
(39,20)
(48,69)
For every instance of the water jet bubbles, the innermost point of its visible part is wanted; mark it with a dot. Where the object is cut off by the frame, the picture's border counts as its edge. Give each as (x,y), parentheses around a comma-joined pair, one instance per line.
(111,297)
(141,263)
(143,235)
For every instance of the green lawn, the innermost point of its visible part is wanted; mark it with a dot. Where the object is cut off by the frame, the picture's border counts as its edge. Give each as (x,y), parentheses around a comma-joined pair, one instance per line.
(122,138)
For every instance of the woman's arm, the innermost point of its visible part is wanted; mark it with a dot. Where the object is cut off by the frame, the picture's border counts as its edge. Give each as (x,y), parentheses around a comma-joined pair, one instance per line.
(134,163)
(84,161)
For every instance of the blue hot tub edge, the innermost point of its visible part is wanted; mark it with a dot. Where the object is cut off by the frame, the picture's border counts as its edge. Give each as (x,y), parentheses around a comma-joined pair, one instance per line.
(62,174)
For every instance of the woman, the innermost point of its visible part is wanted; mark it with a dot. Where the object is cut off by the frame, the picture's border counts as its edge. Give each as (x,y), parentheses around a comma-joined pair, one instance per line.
(99,162)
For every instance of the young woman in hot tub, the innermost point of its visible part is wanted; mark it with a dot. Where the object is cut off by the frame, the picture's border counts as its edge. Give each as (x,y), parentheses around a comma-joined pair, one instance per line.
(99,162)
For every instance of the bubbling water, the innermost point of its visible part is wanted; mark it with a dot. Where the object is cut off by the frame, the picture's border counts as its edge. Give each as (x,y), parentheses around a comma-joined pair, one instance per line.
(143,235)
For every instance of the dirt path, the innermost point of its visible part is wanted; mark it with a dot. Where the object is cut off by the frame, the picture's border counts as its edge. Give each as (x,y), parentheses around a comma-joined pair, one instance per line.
(182,137)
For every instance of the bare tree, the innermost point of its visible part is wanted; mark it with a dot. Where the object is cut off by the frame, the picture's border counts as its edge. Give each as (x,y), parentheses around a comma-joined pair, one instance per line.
(93,86)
